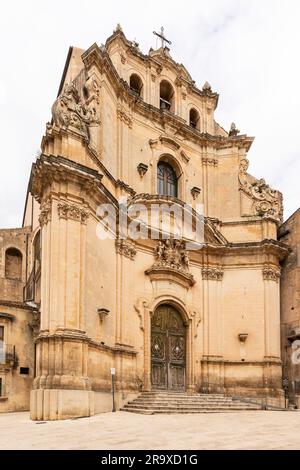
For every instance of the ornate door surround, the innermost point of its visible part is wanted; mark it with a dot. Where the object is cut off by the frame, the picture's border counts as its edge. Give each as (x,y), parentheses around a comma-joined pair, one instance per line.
(168,349)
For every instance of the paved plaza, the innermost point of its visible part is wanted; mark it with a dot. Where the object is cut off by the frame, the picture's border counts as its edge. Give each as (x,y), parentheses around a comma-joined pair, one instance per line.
(108,431)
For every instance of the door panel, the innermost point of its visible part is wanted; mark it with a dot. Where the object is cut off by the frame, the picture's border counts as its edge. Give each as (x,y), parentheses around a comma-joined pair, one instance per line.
(167,349)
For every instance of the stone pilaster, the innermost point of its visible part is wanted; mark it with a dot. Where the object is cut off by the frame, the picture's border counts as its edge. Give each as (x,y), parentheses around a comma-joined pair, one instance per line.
(62,346)
(271,278)
(212,277)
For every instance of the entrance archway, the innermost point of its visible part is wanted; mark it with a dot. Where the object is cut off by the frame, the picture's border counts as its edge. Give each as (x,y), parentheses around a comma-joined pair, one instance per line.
(168,349)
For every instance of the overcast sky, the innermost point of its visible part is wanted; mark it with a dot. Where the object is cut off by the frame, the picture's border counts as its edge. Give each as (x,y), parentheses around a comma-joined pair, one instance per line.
(247,50)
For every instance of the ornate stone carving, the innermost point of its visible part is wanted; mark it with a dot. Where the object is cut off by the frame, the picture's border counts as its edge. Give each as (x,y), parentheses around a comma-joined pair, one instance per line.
(234,131)
(45,212)
(195,192)
(35,323)
(266,201)
(125,248)
(73,212)
(123,116)
(212,273)
(271,274)
(172,253)
(71,112)
(209,161)
(142,168)
(139,307)
(172,263)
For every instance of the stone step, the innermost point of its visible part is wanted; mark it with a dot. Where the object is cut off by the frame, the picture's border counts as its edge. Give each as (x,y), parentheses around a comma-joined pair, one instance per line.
(191,399)
(192,407)
(167,412)
(180,394)
(155,402)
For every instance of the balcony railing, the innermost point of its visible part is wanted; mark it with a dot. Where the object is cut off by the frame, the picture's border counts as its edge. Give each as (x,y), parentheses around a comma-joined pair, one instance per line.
(8,355)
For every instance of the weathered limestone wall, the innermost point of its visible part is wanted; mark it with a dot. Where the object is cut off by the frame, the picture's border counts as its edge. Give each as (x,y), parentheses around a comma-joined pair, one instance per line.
(16,348)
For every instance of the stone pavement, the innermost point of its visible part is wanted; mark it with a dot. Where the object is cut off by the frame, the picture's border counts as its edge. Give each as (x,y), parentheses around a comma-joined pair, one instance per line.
(236,430)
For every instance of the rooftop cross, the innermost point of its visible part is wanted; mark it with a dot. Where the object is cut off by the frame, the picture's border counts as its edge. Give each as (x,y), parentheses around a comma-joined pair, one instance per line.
(162,37)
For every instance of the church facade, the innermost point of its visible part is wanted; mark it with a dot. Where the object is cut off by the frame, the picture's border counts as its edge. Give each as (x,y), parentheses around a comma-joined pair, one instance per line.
(76,304)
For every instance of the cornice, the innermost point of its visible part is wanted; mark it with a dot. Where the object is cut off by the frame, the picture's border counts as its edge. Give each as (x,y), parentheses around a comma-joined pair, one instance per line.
(13,304)
(49,168)
(7,316)
(65,334)
(278,249)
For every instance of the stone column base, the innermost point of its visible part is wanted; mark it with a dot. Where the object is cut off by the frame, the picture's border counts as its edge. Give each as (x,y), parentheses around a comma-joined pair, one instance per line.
(52,404)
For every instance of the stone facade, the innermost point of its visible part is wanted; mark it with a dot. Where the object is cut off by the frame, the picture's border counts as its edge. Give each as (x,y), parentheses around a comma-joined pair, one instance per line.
(289,233)
(91,302)
(16,321)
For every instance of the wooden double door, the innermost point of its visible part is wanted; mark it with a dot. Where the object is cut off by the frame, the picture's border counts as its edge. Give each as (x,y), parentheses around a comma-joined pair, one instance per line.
(168,349)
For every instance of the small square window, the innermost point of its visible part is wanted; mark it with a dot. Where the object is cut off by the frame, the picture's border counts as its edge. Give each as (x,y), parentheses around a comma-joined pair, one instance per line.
(24,370)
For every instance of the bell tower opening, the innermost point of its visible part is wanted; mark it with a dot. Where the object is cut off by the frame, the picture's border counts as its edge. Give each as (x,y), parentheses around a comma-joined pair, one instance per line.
(166,102)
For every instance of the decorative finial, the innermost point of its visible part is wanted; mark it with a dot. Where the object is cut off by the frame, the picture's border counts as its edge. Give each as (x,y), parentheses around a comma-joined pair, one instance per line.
(233,130)
(118,29)
(206,87)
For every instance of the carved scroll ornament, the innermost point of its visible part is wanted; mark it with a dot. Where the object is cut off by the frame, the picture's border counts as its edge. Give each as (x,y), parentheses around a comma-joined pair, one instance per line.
(266,201)
(70,111)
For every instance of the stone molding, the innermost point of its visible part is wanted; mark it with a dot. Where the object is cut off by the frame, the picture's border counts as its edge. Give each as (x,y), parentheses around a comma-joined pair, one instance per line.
(125,248)
(211,273)
(209,161)
(72,212)
(161,273)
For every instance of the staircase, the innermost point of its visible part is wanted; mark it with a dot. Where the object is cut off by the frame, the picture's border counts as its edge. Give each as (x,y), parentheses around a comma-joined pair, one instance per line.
(161,402)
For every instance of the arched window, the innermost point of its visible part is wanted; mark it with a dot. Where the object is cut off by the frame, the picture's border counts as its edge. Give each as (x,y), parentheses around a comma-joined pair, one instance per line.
(136,84)
(166,96)
(13,264)
(166,180)
(194,118)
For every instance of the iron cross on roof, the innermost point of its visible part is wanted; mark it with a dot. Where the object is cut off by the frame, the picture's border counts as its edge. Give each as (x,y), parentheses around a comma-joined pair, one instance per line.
(162,37)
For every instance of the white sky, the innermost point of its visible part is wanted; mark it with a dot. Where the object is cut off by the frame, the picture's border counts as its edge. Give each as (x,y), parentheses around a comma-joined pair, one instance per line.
(248,50)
